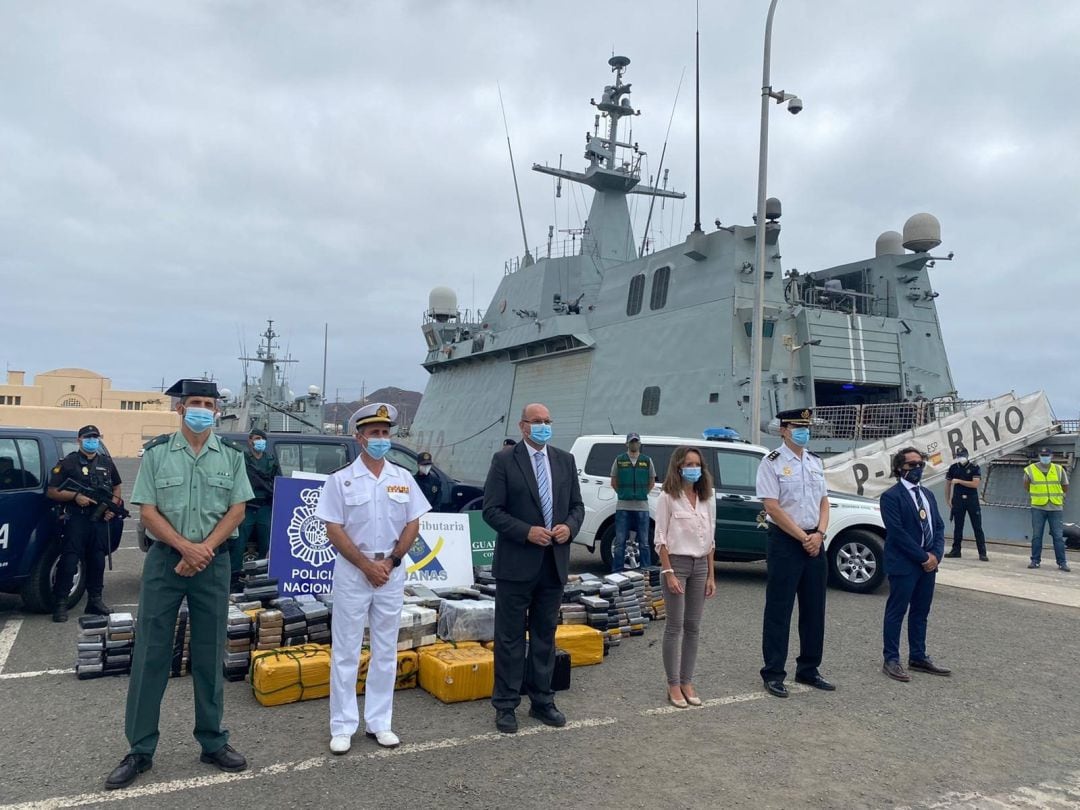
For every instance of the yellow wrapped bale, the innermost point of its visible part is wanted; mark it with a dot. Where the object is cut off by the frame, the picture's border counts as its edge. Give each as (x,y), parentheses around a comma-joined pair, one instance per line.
(291,674)
(408,669)
(446,645)
(584,644)
(456,674)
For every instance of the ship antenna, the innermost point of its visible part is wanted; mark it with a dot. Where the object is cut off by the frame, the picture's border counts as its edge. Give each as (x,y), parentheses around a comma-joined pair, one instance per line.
(611,425)
(527,260)
(697,117)
(652,201)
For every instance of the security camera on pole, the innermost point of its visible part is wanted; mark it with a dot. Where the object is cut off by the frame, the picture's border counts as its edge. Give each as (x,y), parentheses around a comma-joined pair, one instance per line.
(756,341)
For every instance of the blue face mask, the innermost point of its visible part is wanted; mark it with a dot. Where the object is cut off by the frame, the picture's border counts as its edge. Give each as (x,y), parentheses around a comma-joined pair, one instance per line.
(198,420)
(541,434)
(260,445)
(1045,459)
(91,445)
(800,436)
(691,474)
(377,448)
(914,475)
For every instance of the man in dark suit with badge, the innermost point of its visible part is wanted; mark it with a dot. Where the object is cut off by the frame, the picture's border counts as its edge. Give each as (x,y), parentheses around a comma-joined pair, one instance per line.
(914,546)
(533,501)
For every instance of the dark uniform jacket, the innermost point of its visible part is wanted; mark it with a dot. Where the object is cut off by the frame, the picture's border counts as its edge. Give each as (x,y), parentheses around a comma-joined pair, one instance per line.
(261,473)
(98,471)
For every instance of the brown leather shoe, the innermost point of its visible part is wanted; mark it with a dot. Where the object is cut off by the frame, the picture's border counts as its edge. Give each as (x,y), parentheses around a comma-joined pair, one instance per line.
(926,665)
(895,671)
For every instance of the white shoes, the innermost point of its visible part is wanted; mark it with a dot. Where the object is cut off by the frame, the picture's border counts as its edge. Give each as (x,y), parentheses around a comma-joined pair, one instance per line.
(387,739)
(340,743)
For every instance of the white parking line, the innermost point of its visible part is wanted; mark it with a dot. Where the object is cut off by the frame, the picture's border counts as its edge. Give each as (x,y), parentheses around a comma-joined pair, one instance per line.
(724,701)
(291,767)
(7,639)
(10,676)
(1063,793)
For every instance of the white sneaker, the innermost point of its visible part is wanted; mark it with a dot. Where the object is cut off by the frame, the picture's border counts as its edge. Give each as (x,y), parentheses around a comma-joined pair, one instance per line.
(340,743)
(387,739)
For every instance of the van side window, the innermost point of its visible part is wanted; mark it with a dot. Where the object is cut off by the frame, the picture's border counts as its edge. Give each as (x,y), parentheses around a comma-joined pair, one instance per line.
(736,470)
(20,464)
(310,457)
(600,459)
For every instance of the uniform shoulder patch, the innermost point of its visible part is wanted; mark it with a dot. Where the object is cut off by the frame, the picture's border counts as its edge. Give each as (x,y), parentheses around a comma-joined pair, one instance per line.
(154,442)
(56,469)
(773,456)
(815,455)
(232,444)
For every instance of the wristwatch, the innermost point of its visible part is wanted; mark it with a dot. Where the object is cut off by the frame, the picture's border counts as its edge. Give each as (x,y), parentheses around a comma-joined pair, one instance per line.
(396,559)
(823,535)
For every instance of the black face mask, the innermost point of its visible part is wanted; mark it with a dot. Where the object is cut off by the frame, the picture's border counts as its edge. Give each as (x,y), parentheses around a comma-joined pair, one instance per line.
(914,475)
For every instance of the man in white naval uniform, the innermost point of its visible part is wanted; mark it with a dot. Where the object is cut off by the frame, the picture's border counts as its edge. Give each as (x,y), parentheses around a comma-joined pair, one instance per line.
(372,511)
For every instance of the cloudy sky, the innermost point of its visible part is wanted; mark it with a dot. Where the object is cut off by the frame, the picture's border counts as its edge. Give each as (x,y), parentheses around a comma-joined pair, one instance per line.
(174,173)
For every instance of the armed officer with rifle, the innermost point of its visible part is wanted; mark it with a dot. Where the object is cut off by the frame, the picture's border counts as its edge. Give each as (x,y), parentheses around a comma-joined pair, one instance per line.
(74,482)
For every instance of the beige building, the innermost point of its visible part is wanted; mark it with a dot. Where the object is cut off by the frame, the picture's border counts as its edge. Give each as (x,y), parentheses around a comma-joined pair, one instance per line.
(68,398)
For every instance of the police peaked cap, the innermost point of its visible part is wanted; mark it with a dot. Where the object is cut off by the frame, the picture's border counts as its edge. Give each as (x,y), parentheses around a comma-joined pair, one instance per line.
(258,432)
(89,430)
(796,417)
(373,414)
(424,458)
(194,388)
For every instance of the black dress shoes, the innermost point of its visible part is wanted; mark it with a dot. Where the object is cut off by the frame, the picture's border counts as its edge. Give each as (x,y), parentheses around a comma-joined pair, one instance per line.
(548,715)
(817,682)
(226,758)
(95,607)
(953,555)
(776,689)
(59,613)
(124,773)
(506,721)
(895,671)
(926,665)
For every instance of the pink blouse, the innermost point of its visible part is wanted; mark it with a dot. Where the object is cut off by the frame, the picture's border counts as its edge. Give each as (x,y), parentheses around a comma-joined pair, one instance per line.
(684,530)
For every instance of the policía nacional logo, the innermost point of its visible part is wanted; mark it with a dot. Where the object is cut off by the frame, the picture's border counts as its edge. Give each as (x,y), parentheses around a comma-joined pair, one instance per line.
(307,534)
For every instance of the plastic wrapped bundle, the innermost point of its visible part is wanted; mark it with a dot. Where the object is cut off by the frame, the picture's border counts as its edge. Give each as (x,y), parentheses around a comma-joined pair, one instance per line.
(291,674)
(584,644)
(466,620)
(455,674)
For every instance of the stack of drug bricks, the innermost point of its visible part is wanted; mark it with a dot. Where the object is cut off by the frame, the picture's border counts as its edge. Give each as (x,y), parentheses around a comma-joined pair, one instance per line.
(654,594)
(119,643)
(258,585)
(628,601)
(90,646)
(181,651)
(238,639)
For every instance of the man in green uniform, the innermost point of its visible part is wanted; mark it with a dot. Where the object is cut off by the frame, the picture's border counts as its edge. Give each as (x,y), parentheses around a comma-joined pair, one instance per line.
(192,489)
(262,468)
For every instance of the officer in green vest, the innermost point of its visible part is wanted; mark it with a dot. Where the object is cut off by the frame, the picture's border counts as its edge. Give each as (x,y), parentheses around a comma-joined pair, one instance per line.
(632,478)
(1047,484)
(262,469)
(192,489)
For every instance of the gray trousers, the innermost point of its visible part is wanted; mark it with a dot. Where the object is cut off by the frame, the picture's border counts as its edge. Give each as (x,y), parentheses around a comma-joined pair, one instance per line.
(683,624)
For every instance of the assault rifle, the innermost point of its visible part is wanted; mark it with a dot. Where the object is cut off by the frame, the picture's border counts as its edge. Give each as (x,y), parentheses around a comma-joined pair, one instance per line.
(102,496)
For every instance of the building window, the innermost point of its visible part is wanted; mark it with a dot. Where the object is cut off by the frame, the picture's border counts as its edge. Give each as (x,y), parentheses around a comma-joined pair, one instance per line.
(71,402)
(10,400)
(714,397)
(637,292)
(130,405)
(658,297)
(650,400)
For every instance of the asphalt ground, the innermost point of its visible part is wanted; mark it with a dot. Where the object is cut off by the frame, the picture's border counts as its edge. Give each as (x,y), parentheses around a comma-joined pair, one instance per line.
(1001,732)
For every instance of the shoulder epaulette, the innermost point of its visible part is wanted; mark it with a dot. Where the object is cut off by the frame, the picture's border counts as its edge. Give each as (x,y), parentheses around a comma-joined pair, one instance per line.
(815,455)
(154,442)
(773,456)
(232,444)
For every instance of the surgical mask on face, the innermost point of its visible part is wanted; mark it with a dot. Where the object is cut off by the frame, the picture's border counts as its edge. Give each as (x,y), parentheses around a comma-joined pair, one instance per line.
(962,460)
(914,475)
(425,469)
(198,420)
(1045,459)
(691,474)
(259,445)
(377,448)
(541,434)
(91,445)
(800,436)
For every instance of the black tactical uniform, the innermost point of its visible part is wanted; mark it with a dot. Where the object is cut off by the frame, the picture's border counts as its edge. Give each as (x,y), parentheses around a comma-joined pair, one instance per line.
(965,502)
(430,484)
(84,538)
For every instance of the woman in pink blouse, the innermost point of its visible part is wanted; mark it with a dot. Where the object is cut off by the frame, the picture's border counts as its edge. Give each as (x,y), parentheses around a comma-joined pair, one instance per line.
(685,527)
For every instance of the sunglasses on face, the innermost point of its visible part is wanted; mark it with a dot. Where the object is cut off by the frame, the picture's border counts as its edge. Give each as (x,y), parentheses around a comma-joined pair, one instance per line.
(912,465)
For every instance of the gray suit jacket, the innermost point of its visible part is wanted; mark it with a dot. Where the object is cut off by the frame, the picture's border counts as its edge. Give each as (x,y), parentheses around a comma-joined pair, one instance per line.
(512,507)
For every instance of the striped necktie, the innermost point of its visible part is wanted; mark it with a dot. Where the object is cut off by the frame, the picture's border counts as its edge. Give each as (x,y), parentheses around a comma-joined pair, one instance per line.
(543,485)
(924,516)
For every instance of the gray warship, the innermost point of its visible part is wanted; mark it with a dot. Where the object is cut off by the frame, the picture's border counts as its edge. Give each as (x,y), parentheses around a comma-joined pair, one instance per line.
(265,400)
(599,333)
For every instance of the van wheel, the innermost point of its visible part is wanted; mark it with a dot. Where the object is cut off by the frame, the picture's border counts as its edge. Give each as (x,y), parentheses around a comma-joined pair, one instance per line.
(856,561)
(37,590)
(633,558)
(607,540)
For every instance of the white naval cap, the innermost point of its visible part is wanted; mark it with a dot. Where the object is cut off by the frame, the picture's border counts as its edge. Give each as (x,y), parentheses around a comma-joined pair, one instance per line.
(373,413)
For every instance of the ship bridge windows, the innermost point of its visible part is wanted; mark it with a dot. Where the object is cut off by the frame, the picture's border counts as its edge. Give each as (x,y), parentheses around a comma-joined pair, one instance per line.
(650,400)
(658,296)
(635,294)
(766,330)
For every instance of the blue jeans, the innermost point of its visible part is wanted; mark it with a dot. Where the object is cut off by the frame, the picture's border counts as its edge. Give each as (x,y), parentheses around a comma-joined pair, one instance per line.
(625,519)
(1039,519)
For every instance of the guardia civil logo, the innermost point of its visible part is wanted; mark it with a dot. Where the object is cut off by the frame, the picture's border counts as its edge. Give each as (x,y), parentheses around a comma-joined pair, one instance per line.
(307,534)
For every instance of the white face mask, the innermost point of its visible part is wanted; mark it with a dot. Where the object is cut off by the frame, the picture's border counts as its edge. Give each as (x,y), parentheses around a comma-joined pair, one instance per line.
(961,459)
(425,469)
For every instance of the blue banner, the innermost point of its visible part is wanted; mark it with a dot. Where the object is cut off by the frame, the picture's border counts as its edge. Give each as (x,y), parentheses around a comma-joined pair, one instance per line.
(301,556)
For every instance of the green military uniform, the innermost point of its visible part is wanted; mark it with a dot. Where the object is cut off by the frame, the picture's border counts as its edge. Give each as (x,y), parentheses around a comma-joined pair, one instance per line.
(192,493)
(261,473)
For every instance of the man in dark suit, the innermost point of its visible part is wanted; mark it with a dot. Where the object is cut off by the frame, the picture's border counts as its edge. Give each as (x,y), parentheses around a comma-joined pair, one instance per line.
(533,501)
(914,545)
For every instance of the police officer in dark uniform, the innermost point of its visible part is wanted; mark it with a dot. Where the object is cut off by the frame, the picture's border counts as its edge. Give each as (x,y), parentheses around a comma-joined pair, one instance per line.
(84,538)
(429,483)
(791,485)
(962,497)
(262,468)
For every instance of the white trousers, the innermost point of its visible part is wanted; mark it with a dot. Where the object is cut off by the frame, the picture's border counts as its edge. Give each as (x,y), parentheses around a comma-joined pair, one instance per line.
(356,604)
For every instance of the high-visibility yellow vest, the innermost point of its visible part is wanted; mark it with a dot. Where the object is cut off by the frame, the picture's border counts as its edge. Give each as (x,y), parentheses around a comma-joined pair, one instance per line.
(1045,487)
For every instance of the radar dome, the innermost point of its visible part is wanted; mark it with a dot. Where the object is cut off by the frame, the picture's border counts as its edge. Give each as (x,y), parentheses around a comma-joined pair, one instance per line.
(922,232)
(225,393)
(442,304)
(889,243)
(313,390)
(772,209)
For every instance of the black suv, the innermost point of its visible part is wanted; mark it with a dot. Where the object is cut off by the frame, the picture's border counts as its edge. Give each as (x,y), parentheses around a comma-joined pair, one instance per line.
(317,453)
(29,521)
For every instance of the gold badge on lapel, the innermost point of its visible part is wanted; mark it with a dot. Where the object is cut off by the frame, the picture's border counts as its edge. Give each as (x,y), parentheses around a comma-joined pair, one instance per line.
(85,471)
(922,514)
